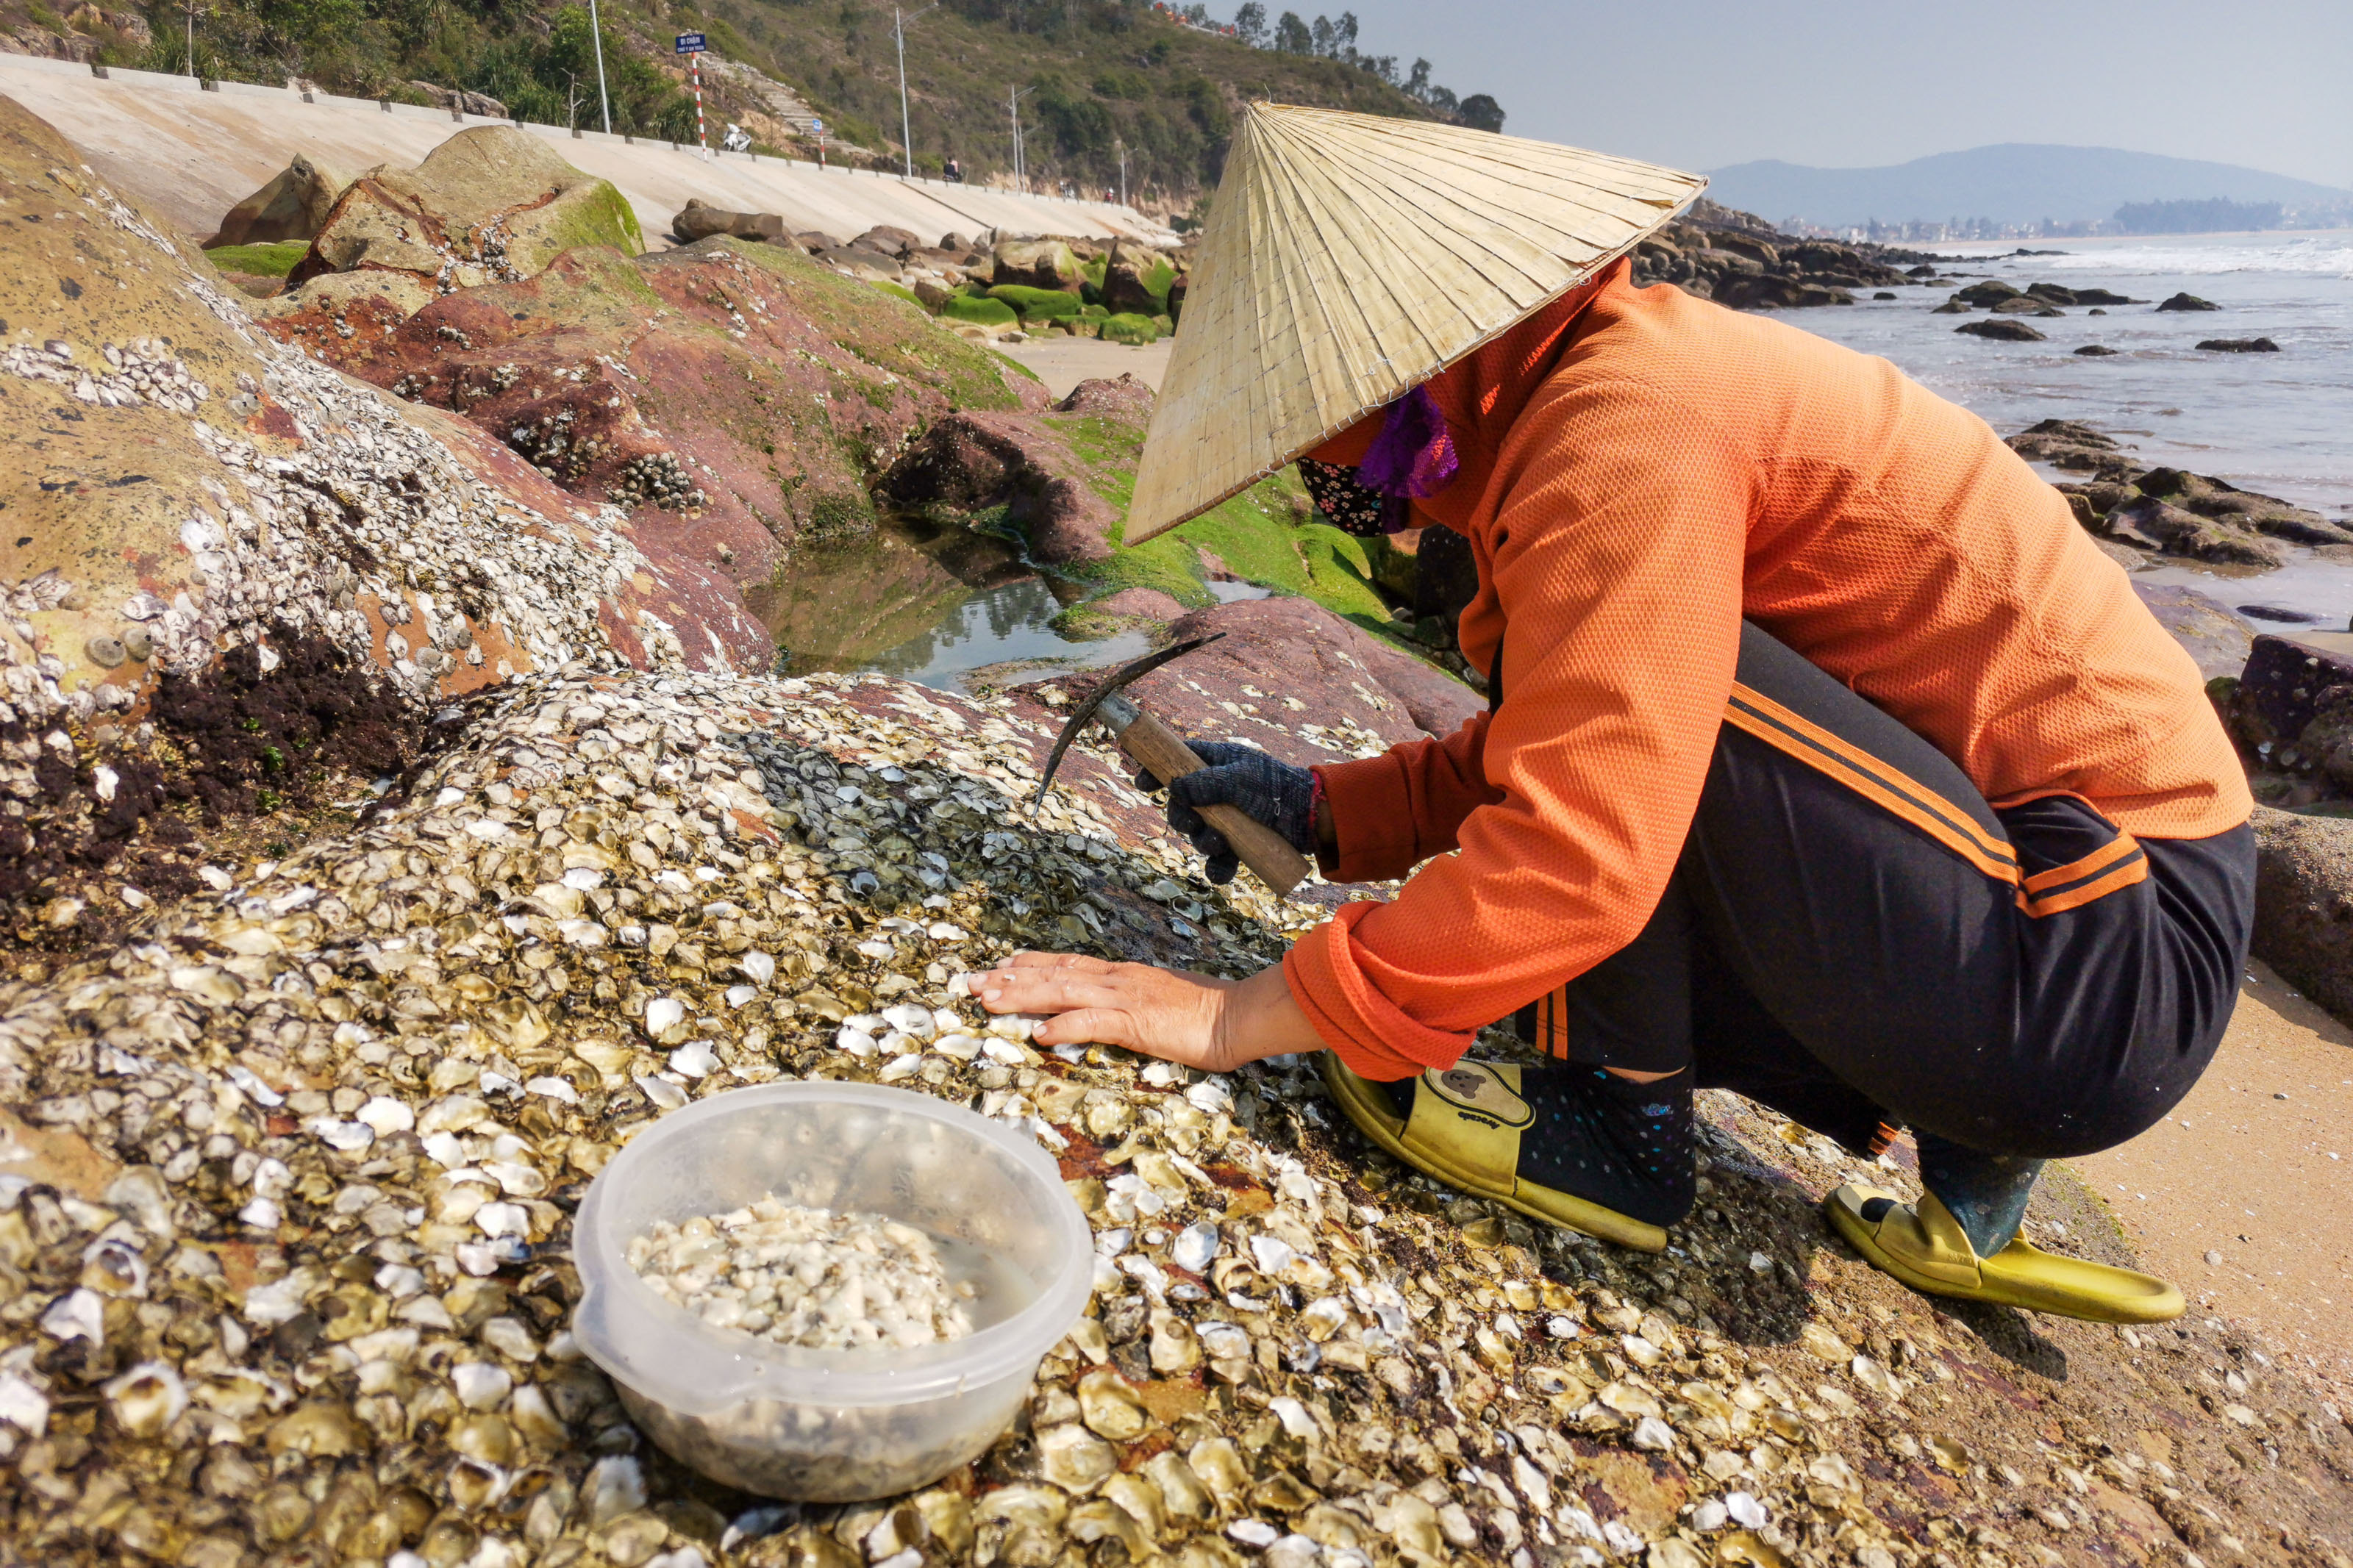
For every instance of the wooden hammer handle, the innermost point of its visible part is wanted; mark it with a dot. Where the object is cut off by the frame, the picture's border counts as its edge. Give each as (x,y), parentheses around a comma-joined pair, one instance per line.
(1163,752)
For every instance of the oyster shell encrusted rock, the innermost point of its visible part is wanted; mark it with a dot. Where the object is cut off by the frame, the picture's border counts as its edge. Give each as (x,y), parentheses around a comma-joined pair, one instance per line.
(291,1169)
(179,482)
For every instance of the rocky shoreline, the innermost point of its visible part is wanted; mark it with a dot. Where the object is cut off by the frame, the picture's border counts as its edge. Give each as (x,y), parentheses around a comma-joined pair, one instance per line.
(289,1147)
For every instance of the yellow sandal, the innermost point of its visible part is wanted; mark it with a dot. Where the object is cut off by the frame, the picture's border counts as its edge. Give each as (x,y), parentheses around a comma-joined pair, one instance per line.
(1465,1130)
(1925,1247)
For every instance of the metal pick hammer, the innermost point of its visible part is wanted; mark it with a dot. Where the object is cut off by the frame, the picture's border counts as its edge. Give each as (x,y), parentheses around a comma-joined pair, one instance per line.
(1162,752)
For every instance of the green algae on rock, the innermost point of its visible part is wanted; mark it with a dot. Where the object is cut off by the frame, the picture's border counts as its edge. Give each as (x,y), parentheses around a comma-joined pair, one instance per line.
(1129,329)
(274,260)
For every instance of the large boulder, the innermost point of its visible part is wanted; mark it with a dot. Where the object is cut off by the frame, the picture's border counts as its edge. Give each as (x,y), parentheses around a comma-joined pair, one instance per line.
(973,462)
(1295,681)
(700,220)
(458,100)
(1448,578)
(492,204)
(2304,903)
(1744,291)
(2226,502)
(1990,292)
(2067,443)
(1122,398)
(2151,523)
(2280,692)
(2167,508)
(888,239)
(1430,575)
(857,262)
(1029,463)
(1136,281)
(1755,248)
(1037,264)
(2003,329)
(294,204)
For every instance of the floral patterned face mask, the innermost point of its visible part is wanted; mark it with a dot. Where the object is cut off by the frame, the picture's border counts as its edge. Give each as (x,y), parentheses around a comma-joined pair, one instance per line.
(1411,459)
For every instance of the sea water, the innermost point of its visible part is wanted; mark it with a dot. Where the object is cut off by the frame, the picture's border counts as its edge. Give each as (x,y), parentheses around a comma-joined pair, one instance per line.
(2281,423)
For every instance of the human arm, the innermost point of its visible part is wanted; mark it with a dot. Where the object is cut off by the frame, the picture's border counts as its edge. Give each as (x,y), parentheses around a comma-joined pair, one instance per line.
(1200,1020)
(1376,819)
(1390,813)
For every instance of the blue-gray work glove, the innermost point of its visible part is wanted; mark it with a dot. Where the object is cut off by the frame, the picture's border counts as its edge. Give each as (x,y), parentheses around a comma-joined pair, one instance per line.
(1276,794)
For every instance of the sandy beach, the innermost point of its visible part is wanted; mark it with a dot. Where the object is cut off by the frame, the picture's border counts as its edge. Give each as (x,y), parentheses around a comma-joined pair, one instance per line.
(2240,1196)
(1063,363)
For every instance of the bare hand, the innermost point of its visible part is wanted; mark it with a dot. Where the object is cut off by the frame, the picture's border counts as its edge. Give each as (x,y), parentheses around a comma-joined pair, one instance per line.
(1203,1021)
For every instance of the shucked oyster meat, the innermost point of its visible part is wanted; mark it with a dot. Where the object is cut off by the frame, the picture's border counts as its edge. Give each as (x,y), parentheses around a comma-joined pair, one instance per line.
(807,1277)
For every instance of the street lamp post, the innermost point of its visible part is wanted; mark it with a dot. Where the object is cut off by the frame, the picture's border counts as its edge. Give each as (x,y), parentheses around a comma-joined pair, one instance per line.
(597,37)
(1013,98)
(1121,148)
(899,31)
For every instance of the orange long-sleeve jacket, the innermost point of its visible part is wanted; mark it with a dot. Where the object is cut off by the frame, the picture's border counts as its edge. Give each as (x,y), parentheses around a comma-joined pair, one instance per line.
(1641,470)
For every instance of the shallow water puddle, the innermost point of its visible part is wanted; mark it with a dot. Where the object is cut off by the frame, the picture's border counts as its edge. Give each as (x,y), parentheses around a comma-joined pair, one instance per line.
(933,605)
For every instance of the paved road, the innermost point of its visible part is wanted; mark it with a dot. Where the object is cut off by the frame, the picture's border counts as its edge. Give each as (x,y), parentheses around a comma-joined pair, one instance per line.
(191,155)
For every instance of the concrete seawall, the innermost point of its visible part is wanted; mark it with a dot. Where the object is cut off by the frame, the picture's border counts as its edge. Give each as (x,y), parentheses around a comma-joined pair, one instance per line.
(193,151)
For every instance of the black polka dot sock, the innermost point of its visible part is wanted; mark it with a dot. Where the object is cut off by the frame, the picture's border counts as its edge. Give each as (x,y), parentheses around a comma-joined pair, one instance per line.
(1608,1140)
(1986,1194)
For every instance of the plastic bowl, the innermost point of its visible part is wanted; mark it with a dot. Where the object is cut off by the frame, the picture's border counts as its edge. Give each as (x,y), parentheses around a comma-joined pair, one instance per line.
(832,1426)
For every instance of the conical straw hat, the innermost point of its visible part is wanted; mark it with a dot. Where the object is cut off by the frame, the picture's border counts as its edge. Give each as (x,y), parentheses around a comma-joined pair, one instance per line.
(1349,258)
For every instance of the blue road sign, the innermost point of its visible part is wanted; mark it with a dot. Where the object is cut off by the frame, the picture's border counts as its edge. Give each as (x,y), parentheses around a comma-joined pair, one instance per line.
(691,44)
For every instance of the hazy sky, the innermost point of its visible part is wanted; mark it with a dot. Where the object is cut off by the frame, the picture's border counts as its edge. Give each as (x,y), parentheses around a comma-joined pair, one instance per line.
(1703,83)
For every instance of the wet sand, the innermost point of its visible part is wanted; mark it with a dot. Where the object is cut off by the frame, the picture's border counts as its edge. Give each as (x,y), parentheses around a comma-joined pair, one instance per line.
(2254,1169)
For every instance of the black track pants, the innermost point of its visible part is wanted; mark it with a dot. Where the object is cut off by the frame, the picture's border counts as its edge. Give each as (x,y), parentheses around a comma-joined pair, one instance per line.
(1854,937)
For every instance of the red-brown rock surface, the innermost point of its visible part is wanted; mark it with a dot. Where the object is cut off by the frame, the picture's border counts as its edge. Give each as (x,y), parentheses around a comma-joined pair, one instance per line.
(1309,686)
(731,395)
(1292,679)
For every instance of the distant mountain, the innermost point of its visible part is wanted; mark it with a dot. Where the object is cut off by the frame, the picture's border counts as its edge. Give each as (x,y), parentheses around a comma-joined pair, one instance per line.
(2016,182)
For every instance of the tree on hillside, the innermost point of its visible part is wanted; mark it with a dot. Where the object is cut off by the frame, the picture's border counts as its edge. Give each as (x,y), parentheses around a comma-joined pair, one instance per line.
(533,77)
(1292,36)
(1335,41)
(1482,112)
(1250,25)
